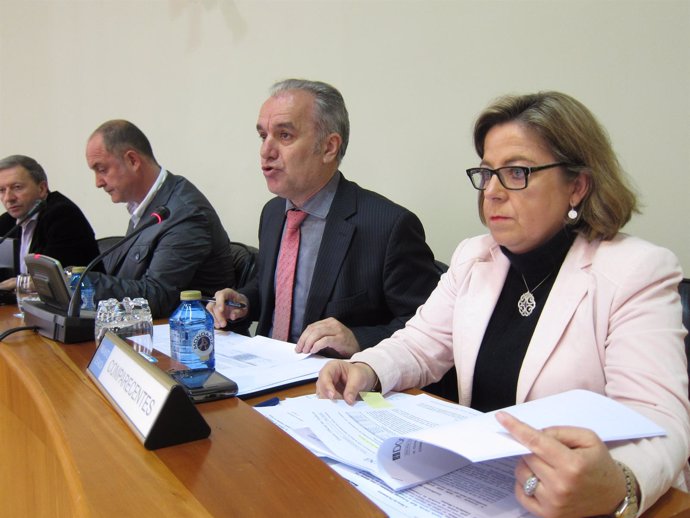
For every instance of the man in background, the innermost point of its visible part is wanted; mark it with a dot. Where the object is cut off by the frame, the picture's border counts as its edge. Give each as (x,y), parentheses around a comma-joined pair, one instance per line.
(60,230)
(361,267)
(189,250)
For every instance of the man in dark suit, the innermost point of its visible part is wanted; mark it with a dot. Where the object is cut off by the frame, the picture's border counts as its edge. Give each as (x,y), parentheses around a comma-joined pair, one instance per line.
(363,266)
(189,250)
(60,230)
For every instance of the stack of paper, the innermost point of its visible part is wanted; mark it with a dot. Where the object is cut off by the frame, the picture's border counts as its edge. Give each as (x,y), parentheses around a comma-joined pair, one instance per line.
(256,363)
(482,490)
(425,450)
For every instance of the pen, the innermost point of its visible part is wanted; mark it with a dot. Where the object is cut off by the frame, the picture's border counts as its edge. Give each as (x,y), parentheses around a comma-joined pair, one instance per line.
(229,303)
(269,402)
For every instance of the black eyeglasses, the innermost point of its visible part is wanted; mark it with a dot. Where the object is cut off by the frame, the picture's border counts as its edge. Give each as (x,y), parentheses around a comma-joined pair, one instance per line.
(512,177)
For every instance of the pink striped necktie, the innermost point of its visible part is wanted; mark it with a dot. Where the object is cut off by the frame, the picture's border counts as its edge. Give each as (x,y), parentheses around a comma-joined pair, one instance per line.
(285,276)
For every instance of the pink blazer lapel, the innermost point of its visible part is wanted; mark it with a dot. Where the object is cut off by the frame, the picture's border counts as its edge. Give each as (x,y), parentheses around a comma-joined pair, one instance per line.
(567,294)
(486,280)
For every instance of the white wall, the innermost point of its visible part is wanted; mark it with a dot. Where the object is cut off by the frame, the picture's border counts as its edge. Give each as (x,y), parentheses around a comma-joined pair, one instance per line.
(414,74)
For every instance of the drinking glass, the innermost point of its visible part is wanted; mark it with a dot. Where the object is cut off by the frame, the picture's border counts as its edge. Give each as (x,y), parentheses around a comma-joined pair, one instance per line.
(128,319)
(25,291)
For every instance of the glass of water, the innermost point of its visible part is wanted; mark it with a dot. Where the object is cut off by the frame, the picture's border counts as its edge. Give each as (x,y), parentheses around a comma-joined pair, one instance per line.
(25,291)
(141,324)
(129,319)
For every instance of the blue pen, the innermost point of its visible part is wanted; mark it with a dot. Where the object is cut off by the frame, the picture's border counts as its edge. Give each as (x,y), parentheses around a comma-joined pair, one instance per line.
(230,303)
(269,402)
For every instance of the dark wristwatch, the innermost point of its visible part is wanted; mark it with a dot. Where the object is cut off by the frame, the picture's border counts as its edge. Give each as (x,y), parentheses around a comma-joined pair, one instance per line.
(629,507)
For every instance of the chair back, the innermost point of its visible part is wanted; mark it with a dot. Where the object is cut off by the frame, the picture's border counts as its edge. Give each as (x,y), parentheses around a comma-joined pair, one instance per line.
(441,267)
(244,259)
(684,290)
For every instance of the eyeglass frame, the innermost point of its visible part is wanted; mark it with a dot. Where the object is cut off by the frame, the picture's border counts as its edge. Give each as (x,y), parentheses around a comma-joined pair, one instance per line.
(527,170)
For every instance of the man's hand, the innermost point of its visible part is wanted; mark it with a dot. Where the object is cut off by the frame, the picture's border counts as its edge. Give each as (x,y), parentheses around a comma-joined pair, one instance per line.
(328,333)
(8,284)
(222,313)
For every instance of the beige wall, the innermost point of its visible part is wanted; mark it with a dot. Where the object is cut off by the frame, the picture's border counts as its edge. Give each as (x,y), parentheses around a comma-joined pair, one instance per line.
(192,75)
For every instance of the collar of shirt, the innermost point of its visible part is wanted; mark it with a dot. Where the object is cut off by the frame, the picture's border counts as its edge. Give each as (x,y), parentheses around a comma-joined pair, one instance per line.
(137,209)
(319,204)
(27,221)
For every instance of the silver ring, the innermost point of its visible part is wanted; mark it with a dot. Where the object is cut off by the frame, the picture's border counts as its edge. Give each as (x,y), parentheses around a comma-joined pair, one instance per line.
(530,485)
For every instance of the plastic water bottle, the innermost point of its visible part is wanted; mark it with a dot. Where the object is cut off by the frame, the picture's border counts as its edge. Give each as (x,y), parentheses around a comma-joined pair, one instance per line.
(87,289)
(191,333)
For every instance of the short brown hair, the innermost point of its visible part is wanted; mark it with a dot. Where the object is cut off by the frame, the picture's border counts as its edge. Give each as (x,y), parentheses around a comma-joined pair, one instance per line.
(34,169)
(575,137)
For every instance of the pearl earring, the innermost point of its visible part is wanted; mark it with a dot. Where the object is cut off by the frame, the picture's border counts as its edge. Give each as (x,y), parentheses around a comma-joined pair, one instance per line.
(572,214)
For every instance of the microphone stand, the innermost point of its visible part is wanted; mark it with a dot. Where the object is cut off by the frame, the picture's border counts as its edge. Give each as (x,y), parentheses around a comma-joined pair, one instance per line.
(9,233)
(38,207)
(70,327)
(160,214)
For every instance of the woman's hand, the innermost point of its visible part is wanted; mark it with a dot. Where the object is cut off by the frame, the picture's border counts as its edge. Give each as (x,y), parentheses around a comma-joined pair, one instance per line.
(341,379)
(576,474)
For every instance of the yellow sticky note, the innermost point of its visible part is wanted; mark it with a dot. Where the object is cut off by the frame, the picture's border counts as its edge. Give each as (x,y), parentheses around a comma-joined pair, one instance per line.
(375,400)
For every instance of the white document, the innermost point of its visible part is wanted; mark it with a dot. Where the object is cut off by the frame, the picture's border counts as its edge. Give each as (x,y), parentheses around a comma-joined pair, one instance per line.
(255,363)
(421,438)
(482,438)
(289,416)
(353,435)
(484,490)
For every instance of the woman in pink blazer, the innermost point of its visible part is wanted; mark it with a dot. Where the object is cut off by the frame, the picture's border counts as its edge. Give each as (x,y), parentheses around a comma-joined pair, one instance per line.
(554,298)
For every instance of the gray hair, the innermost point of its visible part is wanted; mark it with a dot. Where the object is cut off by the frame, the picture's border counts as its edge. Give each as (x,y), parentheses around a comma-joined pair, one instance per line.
(330,113)
(34,169)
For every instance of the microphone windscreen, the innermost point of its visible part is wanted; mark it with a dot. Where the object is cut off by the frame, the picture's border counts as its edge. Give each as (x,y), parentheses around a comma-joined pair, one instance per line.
(162,213)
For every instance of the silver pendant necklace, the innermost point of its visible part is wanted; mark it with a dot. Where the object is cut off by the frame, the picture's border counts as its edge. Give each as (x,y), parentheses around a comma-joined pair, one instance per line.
(526,304)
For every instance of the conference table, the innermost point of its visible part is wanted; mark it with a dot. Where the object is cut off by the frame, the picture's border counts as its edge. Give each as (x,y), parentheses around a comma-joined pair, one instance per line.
(67,452)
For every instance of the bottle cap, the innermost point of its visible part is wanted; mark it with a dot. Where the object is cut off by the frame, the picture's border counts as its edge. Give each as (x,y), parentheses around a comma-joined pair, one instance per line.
(190,295)
(78,269)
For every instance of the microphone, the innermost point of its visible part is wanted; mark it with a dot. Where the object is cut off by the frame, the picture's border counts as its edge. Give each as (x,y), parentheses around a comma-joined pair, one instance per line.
(38,207)
(158,215)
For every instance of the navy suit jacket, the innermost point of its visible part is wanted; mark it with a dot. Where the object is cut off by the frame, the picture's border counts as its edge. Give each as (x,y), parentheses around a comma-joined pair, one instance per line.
(188,251)
(372,271)
(62,232)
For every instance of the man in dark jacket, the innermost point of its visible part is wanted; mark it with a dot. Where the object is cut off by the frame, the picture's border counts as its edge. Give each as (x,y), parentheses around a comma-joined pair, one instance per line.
(188,251)
(362,266)
(60,230)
